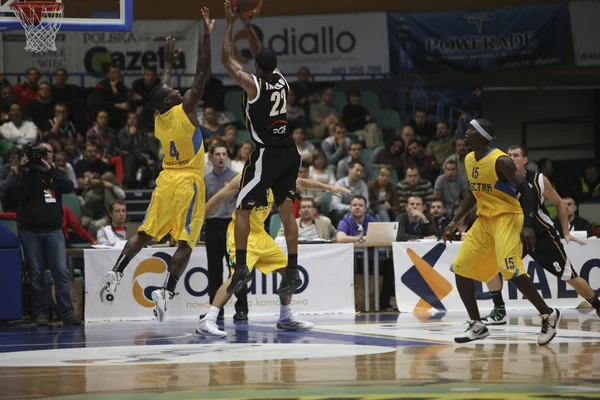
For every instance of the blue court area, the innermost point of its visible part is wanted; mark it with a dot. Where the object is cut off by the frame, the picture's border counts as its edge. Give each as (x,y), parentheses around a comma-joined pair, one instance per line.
(384,356)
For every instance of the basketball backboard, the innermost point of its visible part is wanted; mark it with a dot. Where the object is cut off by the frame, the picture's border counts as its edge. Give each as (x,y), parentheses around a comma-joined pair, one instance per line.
(100,16)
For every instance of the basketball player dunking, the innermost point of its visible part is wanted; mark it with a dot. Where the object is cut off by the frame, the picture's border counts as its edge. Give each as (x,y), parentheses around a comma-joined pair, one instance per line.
(274,163)
(494,244)
(549,251)
(178,202)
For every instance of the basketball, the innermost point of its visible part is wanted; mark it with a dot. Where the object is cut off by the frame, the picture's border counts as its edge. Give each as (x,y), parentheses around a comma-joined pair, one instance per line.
(247,8)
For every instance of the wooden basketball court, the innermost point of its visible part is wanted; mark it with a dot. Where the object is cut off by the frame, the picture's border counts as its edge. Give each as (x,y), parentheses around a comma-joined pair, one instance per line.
(384,356)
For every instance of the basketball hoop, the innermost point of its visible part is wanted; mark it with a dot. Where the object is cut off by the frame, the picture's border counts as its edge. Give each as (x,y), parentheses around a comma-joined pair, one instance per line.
(41,21)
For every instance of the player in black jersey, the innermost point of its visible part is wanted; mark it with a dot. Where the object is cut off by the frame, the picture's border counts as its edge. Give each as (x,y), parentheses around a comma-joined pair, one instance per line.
(274,163)
(549,251)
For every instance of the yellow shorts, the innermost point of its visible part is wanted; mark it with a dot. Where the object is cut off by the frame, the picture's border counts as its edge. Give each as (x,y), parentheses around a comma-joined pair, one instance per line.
(492,245)
(262,251)
(177,206)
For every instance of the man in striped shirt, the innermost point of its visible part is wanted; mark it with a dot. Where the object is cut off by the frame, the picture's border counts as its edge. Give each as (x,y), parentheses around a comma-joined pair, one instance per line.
(413,185)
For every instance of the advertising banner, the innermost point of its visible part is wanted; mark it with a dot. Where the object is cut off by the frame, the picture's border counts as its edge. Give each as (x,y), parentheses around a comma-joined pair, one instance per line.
(424,282)
(147,271)
(586,31)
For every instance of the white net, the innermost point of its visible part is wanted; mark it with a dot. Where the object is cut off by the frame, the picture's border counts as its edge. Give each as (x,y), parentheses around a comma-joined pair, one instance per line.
(41,21)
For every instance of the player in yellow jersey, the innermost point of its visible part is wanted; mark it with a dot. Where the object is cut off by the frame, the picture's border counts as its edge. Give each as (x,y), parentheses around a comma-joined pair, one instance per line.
(263,253)
(177,204)
(493,244)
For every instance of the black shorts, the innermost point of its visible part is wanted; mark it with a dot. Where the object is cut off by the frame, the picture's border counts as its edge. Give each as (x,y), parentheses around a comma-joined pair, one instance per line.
(550,254)
(274,168)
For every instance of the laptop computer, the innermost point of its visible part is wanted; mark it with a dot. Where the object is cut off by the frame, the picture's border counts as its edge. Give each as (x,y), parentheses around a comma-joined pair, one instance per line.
(381,232)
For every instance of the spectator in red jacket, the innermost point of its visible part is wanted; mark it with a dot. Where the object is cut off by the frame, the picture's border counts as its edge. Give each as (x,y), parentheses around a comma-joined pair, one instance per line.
(26,91)
(70,221)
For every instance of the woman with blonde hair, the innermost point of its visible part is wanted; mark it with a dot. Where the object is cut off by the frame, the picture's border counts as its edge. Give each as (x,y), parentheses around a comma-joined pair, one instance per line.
(242,156)
(383,196)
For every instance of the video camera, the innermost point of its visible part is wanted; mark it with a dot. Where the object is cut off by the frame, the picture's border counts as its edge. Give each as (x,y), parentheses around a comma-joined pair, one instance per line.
(35,154)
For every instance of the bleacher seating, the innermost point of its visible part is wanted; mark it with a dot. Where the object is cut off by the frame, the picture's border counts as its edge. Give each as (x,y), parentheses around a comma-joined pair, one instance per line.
(274,225)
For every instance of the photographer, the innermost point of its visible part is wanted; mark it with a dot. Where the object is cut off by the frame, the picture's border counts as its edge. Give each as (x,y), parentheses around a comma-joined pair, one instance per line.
(39,189)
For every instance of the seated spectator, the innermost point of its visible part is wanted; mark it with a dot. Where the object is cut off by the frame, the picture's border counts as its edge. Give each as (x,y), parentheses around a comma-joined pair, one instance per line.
(6,99)
(79,234)
(102,135)
(59,127)
(242,156)
(449,188)
(231,140)
(437,209)
(116,231)
(588,187)
(340,206)
(320,111)
(545,168)
(415,223)
(407,135)
(354,155)
(41,109)
(391,156)
(305,90)
(383,197)
(18,131)
(295,113)
(111,95)
(336,147)
(305,148)
(443,145)
(461,151)
(413,185)
(353,227)
(464,224)
(9,173)
(64,92)
(311,226)
(26,91)
(211,127)
(576,223)
(140,88)
(424,129)
(61,163)
(71,150)
(358,121)
(319,172)
(90,168)
(133,146)
(97,199)
(428,165)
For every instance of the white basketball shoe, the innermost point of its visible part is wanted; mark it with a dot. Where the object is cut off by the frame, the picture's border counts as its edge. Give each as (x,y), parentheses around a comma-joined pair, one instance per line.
(161,297)
(209,328)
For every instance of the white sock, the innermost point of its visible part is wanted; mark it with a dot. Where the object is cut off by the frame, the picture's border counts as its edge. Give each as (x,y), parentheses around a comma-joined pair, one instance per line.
(212,314)
(285,311)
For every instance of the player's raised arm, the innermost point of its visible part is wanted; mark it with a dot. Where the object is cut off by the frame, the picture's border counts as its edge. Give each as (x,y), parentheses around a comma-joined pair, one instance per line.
(171,56)
(193,96)
(253,41)
(234,68)
(228,191)
(506,167)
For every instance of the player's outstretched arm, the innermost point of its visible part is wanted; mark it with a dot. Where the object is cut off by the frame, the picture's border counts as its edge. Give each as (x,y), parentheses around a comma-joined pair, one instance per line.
(171,56)
(253,41)
(234,68)
(230,190)
(468,203)
(555,198)
(310,184)
(506,167)
(193,96)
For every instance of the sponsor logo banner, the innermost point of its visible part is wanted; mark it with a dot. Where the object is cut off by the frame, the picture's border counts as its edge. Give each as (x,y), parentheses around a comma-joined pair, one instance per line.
(326,44)
(585,30)
(424,282)
(147,271)
(476,40)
